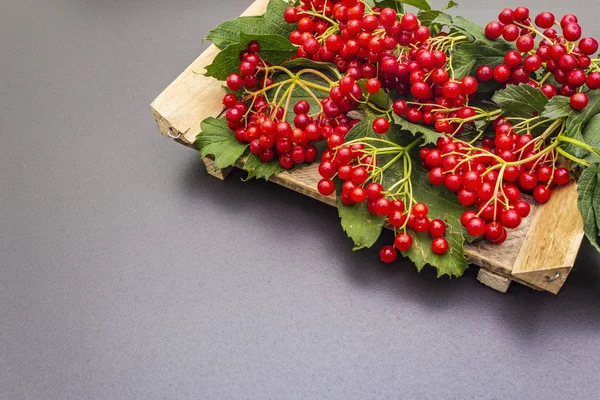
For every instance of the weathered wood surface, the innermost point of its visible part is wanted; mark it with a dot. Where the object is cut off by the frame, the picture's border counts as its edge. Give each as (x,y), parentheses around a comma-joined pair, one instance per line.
(540,254)
(490,279)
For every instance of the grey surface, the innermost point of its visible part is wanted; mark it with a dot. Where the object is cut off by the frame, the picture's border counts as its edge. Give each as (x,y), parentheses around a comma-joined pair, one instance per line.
(126,272)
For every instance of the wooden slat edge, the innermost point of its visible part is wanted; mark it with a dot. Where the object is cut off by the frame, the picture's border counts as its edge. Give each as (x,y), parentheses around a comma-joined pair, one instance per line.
(494,281)
(547,254)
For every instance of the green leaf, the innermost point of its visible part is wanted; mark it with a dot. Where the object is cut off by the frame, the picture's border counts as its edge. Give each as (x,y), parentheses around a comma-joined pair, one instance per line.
(442,19)
(298,93)
(557,107)
(218,140)
(442,204)
(489,87)
(365,129)
(470,29)
(394,4)
(427,17)
(589,203)
(437,18)
(260,170)
(380,99)
(420,4)
(591,136)
(464,59)
(429,134)
(360,225)
(467,57)
(577,121)
(271,23)
(274,49)
(451,4)
(301,62)
(520,101)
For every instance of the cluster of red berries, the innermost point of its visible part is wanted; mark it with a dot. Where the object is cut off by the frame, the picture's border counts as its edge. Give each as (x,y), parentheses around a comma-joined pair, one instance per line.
(361,41)
(353,165)
(419,222)
(366,40)
(449,116)
(263,125)
(563,54)
(358,40)
(425,75)
(345,97)
(251,75)
(493,177)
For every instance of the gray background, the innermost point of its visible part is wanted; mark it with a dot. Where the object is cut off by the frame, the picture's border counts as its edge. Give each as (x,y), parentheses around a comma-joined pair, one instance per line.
(127,272)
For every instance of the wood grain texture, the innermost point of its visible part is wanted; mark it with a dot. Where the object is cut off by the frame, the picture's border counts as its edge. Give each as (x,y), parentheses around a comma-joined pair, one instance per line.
(221,174)
(549,250)
(494,281)
(540,254)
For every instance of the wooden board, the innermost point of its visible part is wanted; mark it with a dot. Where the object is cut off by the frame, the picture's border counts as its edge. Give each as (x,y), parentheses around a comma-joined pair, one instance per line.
(539,254)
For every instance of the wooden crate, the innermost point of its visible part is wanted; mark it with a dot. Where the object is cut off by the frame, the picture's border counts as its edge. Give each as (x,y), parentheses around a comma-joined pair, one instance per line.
(540,254)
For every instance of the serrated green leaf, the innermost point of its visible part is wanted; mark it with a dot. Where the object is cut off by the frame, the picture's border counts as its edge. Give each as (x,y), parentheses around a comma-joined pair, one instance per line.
(589,203)
(380,99)
(420,4)
(483,50)
(430,135)
(442,205)
(427,17)
(464,59)
(298,93)
(260,170)
(365,129)
(451,4)
(360,225)
(489,88)
(274,49)
(442,19)
(591,137)
(271,23)
(520,101)
(301,62)
(437,18)
(394,4)
(218,140)
(577,121)
(470,29)
(467,57)
(557,107)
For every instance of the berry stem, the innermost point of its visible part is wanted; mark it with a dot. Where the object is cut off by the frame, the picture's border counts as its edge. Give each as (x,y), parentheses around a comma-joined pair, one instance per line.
(311,94)
(571,157)
(287,102)
(286,94)
(315,72)
(548,75)
(314,13)
(534,30)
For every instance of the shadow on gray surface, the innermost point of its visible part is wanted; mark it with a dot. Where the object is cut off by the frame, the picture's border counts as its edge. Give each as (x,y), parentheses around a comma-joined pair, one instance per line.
(525,312)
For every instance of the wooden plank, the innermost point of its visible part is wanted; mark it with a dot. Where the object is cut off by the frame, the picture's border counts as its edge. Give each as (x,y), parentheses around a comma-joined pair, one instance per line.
(540,254)
(552,242)
(494,281)
(221,174)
